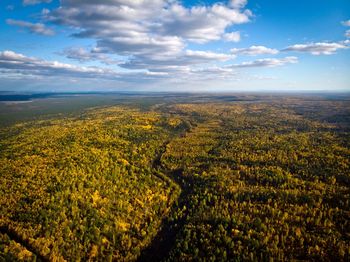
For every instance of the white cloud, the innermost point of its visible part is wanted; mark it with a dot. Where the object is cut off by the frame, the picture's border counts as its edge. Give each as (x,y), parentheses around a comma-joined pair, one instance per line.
(188,57)
(16,68)
(19,63)
(214,69)
(151,73)
(347,33)
(232,37)
(83,55)
(214,73)
(316,48)
(254,50)
(346,23)
(37,28)
(45,11)
(34,2)
(267,62)
(13,64)
(238,3)
(148,32)
(201,24)
(205,56)
(180,62)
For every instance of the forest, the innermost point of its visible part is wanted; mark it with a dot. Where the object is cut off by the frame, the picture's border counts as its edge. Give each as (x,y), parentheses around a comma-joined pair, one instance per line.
(179,178)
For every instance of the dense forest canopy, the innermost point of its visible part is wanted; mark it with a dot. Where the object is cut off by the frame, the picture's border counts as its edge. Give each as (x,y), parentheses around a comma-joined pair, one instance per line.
(179,178)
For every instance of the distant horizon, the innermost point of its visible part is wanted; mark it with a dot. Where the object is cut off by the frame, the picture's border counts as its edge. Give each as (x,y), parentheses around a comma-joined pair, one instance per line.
(266,92)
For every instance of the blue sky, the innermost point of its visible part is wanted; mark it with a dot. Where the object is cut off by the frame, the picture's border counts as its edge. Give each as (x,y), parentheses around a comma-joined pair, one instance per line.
(167,45)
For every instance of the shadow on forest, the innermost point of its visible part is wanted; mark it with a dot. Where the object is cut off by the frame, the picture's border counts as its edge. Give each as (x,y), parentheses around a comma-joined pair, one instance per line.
(25,243)
(163,242)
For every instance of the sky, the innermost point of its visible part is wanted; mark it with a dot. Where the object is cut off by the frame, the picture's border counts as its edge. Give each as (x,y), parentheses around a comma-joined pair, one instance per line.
(169,45)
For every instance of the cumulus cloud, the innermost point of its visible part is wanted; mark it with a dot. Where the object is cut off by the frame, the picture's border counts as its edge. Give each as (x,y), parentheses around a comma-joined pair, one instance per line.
(200,23)
(170,68)
(19,63)
(82,55)
(34,2)
(346,23)
(254,51)
(36,28)
(316,48)
(347,33)
(238,3)
(13,64)
(131,28)
(18,67)
(213,73)
(206,56)
(268,62)
(232,37)
(180,62)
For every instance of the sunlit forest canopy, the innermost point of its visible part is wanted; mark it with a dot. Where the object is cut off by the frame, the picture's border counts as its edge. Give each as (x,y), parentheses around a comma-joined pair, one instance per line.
(176,178)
